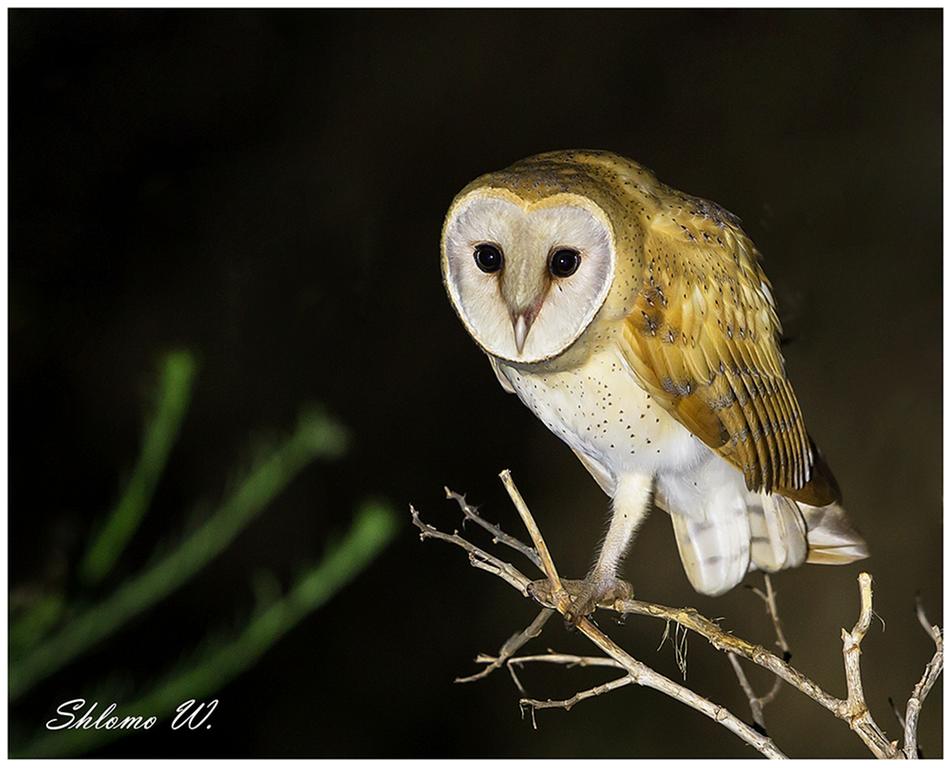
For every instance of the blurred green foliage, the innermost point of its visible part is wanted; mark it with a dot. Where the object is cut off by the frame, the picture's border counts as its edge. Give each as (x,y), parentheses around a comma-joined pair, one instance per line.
(50,633)
(160,434)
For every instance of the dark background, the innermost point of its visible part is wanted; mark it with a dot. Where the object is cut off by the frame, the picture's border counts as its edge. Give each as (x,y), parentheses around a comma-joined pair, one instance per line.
(267,189)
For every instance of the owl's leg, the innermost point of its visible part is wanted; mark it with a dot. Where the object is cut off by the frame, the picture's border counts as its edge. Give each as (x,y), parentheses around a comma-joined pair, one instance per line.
(629,508)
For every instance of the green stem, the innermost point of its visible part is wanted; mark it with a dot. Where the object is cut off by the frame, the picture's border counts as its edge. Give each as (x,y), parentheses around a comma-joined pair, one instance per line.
(28,628)
(175,389)
(315,436)
(373,528)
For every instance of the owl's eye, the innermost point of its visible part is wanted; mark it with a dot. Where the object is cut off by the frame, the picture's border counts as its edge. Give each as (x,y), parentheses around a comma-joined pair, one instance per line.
(564,262)
(488,257)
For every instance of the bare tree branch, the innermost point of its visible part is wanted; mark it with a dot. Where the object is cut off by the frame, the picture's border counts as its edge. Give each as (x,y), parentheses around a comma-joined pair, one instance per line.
(919,693)
(478,558)
(499,536)
(856,712)
(567,704)
(568,660)
(553,658)
(641,674)
(755,701)
(511,646)
(769,596)
(853,709)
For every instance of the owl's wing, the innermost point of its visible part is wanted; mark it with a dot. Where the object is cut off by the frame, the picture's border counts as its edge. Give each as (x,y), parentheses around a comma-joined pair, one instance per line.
(703,340)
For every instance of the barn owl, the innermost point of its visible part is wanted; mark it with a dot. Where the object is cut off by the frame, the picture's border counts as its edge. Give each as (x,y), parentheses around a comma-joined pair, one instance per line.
(636,322)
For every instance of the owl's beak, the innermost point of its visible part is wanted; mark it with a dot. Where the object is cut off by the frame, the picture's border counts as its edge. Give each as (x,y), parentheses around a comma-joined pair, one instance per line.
(521,323)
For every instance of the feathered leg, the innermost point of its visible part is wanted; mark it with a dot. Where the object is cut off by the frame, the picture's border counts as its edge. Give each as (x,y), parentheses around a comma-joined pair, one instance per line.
(629,508)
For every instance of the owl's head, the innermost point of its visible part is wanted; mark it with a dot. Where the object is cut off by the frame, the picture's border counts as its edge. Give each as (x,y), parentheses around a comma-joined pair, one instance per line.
(526,276)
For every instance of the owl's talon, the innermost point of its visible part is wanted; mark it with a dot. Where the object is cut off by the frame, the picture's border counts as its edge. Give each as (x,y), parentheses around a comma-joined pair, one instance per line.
(584,595)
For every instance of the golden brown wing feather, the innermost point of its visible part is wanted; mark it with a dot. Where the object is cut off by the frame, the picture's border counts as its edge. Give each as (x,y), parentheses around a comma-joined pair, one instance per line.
(703,339)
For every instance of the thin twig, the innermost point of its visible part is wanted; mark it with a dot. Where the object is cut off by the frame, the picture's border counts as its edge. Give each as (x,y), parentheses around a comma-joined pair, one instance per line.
(499,536)
(929,676)
(478,558)
(547,565)
(900,717)
(567,704)
(772,693)
(569,660)
(769,596)
(756,705)
(511,646)
(932,631)
(553,658)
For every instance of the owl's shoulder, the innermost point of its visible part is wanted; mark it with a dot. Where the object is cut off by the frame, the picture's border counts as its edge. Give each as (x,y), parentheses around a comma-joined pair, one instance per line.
(500,375)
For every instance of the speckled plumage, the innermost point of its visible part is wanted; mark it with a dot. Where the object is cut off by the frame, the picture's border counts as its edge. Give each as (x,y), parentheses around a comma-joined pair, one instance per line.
(661,370)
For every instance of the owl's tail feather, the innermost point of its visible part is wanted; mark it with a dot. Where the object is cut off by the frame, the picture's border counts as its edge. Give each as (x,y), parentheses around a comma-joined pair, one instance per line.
(831,538)
(714,546)
(779,535)
(770,533)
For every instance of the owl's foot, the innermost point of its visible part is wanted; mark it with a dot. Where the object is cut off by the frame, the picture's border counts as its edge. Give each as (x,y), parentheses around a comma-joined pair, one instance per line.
(585,594)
